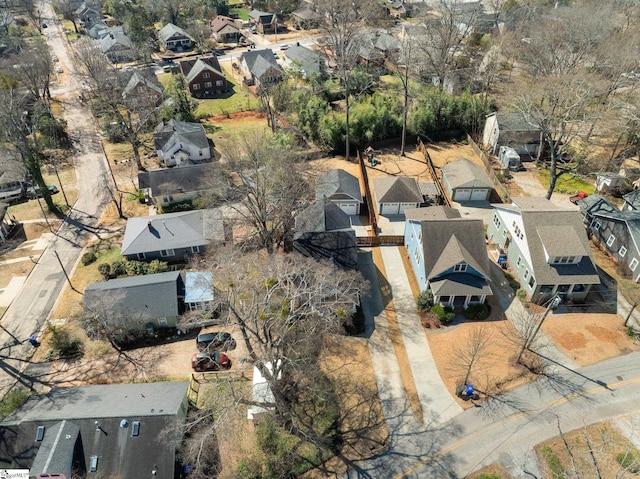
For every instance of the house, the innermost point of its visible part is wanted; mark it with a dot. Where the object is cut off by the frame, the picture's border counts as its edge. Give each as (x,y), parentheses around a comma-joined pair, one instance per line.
(226,30)
(306,18)
(304,60)
(95,28)
(466,181)
(342,189)
(204,77)
(117,46)
(546,246)
(631,201)
(181,143)
(592,204)
(12,180)
(87,13)
(395,194)
(7,222)
(198,291)
(144,89)
(263,22)
(172,237)
(138,301)
(323,231)
(448,255)
(611,183)
(514,130)
(175,38)
(113,430)
(259,67)
(166,187)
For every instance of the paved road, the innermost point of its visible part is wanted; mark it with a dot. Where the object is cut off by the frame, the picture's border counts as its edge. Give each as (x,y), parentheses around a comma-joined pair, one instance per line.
(28,312)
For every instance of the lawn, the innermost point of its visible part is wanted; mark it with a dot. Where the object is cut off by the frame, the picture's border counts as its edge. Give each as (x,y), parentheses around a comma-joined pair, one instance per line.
(568,183)
(243,13)
(227,130)
(238,98)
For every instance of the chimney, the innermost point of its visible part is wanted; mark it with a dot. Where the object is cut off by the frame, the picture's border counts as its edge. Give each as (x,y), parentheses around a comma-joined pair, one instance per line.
(149,225)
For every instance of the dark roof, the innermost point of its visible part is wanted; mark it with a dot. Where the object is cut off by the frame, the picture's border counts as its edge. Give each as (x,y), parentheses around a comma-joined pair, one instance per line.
(138,79)
(259,61)
(139,298)
(262,17)
(191,68)
(338,184)
(633,198)
(170,30)
(321,216)
(514,122)
(182,179)
(463,173)
(221,22)
(55,456)
(630,217)
(593,204)
(10,171)
(184,229)
(175,131)
(156,406)
(305,13)
(396,189)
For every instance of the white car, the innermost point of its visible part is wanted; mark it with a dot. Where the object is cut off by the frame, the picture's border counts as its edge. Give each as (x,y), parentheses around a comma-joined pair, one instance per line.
(58,69)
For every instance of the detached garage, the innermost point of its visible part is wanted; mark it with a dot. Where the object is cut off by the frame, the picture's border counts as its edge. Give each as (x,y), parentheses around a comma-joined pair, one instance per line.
(394,195)
(466,181)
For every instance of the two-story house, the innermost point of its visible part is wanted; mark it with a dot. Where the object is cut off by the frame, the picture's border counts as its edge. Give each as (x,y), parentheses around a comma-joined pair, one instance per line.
(204,77)
(259,67)
(179,142)
(546,246)
(514,130)
(174,38)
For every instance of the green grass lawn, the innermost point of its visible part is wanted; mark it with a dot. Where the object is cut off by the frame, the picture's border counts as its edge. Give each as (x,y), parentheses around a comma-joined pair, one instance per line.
(243,13)
(568,184)
(239,99)
(164,79)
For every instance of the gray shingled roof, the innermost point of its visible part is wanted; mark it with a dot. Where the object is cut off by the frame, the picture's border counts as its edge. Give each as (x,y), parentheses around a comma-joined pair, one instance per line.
(182,179)
(137,79)
(175,131)
(169,30)
(593,204)
(514,122)
(115,38)
(10,171)
(463,173)
(172,231)
(321,216)
(262,17)
(138,298)
(55,455)
(259,61)
(431,213)
(301,54)
(396,189)
(338,184)
(630,217)
(633,198)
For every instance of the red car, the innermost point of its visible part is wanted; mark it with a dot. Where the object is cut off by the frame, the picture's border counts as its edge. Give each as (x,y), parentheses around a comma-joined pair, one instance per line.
(202,362)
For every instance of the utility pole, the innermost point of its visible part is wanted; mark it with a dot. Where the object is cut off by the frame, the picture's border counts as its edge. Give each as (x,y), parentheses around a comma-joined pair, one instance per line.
(553,302)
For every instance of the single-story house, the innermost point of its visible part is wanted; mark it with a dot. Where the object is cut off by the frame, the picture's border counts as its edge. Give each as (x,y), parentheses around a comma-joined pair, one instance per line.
(323,231)
(546,246)
(342,189)
(117,46)
(395,194)
(448,255)
(169,186)
(113,430)
(512,129)
(263,22)
(226,30)
(137,301)
(611,183)
(204,77)
(7,222)
(181,143)
(172,236)
(259,67)
(466,181)
(12,180)
(175,38)
(304,60)
(144,88)
(631,201)
(306,17)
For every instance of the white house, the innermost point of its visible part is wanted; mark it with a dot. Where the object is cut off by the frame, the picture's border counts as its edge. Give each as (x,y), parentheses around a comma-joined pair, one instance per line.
(179,142)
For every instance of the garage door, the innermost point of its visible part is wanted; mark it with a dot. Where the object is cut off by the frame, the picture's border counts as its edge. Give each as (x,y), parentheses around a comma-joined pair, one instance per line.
(463,194)
(406,206)
(389,208)
(349,209)
(479,194)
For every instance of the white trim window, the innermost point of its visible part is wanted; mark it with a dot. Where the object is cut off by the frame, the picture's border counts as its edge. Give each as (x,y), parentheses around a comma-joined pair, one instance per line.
(167,252)
(633,265)
(195,249)
(597,225)
(460,268)
(622,252)
(610,240)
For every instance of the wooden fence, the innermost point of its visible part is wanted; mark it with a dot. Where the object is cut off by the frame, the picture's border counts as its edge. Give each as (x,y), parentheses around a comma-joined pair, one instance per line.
(380,240)
(502,192)
(432,169)
(367,193)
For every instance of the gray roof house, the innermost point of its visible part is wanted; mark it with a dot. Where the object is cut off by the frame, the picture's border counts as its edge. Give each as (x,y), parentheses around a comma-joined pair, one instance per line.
(465,181)
(179,142)
(172,236)
(448,255)
(259,67)
(175,38)
(169,186)
(342,189)
(323,231)
(631,201)
(511,129)
(264,22)
(136,301)
(116,45)
(546,246)
(144,89)
(110,430)
(304,60)
(395,194)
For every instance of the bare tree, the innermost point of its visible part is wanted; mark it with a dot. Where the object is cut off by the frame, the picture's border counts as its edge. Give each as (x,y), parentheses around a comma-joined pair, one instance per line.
(33,69)
(31,10)
(472,353)
(66,8)
(402,60)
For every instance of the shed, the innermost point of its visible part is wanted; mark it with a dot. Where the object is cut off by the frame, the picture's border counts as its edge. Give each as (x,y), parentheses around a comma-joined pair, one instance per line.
(607,182)
(395,194)
(466,181)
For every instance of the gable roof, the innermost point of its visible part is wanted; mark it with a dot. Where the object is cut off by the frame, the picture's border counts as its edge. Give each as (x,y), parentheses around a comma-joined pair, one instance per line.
(182,179)
(11,171)
(138,79)
(262,17)
(338,184)
(139,298)
(221,22)
(463,173)
(172,231)
(180,131)
(593,204)
(397,189)
(69,415)
(321,216)
(301,54)
(259,61)
(191,68)
(170,30)
(113,38)
(514,121)
(633,198)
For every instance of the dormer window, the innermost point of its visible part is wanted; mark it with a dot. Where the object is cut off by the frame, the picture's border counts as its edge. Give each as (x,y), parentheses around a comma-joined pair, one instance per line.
(460,268)
(564,260)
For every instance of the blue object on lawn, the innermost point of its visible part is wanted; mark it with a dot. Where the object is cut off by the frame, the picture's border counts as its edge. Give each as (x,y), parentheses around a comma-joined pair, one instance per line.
(469,389)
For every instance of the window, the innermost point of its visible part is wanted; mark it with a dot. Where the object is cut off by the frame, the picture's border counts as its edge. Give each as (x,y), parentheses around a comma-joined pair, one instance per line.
(141,256)
(206,75)
(610,240)
(496,221)
(633,265)
(420,236)
(622,252)
(532,281)
(519,261)
(207,84)
(219,82)
(195,249)
(460,267)
(167,252)
(597,225)
(526,273)
(135,429)
(196,86)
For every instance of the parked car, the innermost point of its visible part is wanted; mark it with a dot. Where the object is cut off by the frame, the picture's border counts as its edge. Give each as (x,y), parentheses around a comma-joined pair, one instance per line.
(58,69)
(201,362)
(284,46)
(34,192)
(55,58)
(221,341)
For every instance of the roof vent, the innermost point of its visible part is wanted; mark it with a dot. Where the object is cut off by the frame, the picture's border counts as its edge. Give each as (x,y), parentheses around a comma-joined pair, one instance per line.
(124,423)
(40,433)
(149,225)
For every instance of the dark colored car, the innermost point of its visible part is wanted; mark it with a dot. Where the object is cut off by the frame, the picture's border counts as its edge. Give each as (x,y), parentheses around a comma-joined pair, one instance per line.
(221,341)
(201,362)
(34,191)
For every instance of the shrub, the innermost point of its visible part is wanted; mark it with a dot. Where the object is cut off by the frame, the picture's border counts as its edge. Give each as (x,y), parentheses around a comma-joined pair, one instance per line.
(12,401)
(425,301)
(444,314)
(477,311)
(522,295)
(156,266)
(118,269)
(105,270)
(135,268)
(513,283)
(63,345)
(629,461)
(89,258)
(553,461)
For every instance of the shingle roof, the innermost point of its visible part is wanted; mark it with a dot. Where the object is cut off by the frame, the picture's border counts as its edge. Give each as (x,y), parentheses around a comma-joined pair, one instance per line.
(174,131)
(115,38)
(138,79)
(262,17)
(338,184)
(463,173)
(191,68)
(169,30)
(55,456)
(259,61)
(301,54)
(10,171)
(435,213)
(396,189)
(514,122)
(182,179)
(633,198)
(321,216)
(172,231)
(593,204)
(221,22)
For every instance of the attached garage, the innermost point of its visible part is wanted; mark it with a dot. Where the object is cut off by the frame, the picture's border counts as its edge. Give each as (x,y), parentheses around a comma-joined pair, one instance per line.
(480,194)
(466,181)
(349,208)
(407,206)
